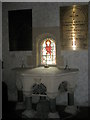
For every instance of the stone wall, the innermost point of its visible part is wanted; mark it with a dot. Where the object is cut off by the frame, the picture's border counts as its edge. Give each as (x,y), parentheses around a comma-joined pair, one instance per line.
(44,16)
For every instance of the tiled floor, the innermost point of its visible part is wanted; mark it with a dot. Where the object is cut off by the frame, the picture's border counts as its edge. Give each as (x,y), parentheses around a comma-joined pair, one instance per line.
(10,113)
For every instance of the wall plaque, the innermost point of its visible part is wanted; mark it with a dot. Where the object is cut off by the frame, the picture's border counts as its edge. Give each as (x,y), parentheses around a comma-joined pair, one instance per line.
(74,27)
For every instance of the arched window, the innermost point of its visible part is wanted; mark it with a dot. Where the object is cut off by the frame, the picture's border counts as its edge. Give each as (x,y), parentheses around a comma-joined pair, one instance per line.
(48,52)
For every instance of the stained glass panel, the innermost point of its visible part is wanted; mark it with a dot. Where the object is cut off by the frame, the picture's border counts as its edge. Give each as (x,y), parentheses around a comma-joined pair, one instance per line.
(48,52)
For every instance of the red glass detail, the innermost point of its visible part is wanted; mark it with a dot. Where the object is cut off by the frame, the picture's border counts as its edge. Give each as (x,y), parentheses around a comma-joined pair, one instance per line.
(48,47)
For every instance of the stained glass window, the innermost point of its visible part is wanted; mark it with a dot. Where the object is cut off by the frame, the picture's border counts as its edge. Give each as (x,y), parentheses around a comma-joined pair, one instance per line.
(48,52)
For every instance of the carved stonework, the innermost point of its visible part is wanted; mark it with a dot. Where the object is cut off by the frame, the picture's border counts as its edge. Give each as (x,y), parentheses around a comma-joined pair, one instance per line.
(39,89)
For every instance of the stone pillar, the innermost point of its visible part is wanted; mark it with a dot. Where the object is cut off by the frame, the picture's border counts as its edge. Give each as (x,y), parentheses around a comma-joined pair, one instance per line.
(71,98)
(71,108)
(53,105)
(42,108)
(20,103)
(28,103)
(52,100)
(28,112)
(20,95)
(53,113)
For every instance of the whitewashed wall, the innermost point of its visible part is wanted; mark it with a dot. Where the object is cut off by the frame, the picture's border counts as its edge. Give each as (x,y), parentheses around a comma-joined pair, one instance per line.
(43,15)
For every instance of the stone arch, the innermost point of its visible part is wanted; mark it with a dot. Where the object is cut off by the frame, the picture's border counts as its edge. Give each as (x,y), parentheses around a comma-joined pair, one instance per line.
(39,40)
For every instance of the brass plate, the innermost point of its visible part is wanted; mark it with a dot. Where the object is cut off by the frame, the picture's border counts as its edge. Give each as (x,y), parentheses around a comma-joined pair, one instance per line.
(74,22)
